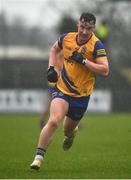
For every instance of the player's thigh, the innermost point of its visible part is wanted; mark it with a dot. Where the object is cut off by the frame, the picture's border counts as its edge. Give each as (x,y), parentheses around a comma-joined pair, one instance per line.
(58,108)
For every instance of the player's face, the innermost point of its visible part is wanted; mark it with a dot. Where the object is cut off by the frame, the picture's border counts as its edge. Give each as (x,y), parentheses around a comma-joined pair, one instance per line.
(85,29)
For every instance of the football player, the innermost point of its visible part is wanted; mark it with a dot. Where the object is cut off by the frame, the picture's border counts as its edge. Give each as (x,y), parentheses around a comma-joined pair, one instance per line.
(84,58)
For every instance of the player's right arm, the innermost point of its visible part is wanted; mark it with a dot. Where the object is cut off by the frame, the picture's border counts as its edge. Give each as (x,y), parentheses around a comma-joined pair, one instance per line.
(55,50)
(52,75)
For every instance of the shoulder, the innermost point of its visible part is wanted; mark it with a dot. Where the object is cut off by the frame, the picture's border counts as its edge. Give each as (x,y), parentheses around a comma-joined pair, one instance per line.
(94,38)
(61,38)
(99,45)
(66,36)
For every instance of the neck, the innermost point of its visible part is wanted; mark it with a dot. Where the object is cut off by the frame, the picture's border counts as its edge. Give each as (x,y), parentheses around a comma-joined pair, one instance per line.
(81,40)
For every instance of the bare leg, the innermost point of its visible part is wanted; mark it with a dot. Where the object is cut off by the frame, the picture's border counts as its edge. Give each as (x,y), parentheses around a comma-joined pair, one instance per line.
(70,129)
(69,126)
(58,109)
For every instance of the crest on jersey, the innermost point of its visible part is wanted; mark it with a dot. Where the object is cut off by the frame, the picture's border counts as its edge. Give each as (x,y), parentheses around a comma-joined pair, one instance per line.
(83,50)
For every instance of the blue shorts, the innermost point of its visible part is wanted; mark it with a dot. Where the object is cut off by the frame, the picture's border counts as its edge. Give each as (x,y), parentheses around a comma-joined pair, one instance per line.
(77,106)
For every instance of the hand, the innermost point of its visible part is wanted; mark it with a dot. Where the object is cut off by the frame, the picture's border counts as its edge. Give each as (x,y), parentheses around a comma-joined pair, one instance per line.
(52,74)
(78,58)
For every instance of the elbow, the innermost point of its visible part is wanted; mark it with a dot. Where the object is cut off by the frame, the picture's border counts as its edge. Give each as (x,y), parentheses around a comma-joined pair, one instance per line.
(106,73)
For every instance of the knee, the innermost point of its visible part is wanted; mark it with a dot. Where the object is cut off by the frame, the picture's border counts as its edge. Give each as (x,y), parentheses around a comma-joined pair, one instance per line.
(54,122)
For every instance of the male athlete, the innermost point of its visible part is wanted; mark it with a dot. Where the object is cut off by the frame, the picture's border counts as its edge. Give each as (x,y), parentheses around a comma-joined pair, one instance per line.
(84,58)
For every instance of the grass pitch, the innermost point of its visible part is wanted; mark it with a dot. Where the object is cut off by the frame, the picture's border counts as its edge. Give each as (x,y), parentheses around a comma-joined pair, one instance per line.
(102,149)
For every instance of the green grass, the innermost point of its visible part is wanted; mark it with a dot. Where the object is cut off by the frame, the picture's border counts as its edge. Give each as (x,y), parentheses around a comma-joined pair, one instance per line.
(102,149)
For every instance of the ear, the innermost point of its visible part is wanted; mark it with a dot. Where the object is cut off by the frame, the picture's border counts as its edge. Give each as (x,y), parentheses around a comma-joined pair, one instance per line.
(94,27)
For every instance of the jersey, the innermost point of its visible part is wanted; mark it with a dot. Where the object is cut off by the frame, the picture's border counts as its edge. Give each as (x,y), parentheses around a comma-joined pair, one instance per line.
(75,79)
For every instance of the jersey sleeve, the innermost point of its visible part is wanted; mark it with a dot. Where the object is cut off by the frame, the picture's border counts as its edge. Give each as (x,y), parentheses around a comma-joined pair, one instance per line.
(99,50)
(60,40)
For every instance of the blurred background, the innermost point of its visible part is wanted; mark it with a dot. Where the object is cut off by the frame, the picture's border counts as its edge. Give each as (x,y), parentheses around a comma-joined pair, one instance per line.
(28,28)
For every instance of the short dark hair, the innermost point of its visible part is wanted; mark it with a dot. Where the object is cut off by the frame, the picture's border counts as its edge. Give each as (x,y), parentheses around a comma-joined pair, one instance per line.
(88,17)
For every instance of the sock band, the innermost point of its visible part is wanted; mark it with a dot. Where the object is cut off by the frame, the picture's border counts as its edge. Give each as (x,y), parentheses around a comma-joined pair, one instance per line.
(41,151)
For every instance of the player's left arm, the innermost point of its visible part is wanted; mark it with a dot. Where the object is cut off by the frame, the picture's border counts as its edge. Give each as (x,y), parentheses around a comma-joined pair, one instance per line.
(100,66)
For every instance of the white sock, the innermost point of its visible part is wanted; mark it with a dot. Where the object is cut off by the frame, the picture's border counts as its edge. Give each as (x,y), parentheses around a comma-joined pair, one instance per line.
(39,157)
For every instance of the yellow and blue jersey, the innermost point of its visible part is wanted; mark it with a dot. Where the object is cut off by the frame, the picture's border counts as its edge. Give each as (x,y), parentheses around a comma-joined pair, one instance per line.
(77,80)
